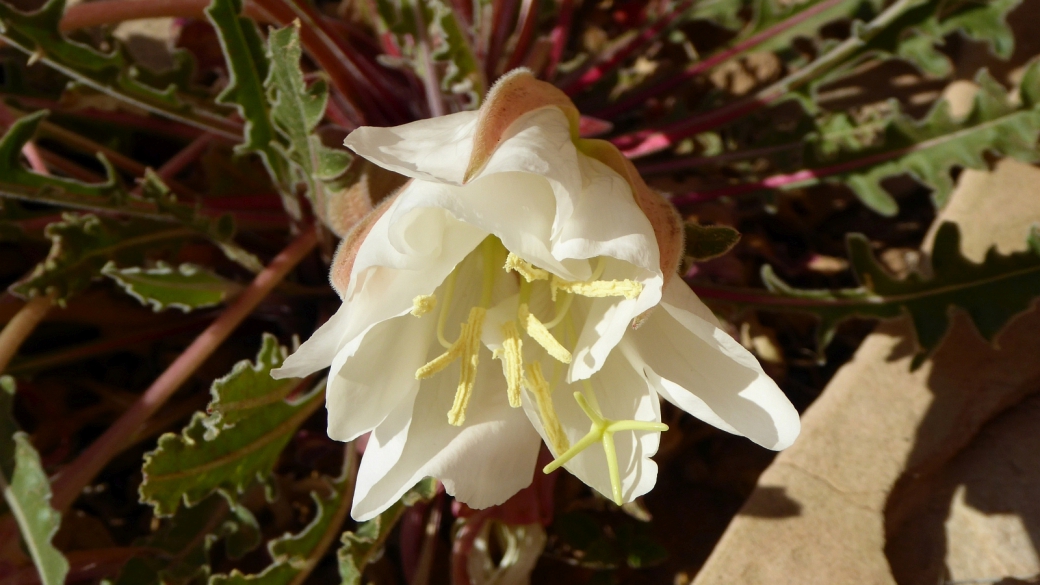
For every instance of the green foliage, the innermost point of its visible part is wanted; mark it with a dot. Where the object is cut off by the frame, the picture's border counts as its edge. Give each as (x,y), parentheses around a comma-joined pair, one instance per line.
(184,541)
(19,182)
(707,242)
(929,148)
(462,74)
(186,287)
(448,42)
(296,110)
(113,73)
(240,442)
(991,293)
(363,546)
(770,13)
(27,492)
(917,33)
(295,555)
(81,245)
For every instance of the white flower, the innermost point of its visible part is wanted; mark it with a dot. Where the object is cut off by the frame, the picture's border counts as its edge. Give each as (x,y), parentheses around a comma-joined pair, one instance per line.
(489,306)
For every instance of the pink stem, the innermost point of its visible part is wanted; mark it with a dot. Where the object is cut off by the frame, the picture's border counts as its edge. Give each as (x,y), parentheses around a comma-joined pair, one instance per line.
(599,70)
(32,154)
(713,61)
(680,164)
(71,480)
(787,180)
(158,125)
(525,32)
(647,142)
(559,35)
(21,326)
(501,13)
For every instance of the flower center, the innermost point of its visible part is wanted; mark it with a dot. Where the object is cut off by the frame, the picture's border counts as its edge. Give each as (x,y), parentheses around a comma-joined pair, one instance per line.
(466,349)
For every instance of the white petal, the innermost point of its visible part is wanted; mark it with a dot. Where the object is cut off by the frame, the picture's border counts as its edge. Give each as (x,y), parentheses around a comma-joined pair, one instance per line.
(622,394)
(604,321)
(375,373)
(384,281)
(482,463)
(518,208)
(702,370)
(606,221)
(318,351)
(435,149)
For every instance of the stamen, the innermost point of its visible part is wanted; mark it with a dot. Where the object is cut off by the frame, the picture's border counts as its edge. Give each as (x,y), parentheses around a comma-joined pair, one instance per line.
(537,331)
(467,350)
(603,431)
(524,268)
(512,358)
(629,289)
(538,386)
(423,304)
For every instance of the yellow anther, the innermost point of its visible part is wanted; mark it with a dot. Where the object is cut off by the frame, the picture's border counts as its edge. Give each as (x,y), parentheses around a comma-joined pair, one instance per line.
(629,289)
(525,268)
(467,350)
(538,386)
(423,304)
(512,358)
(536,330)
(603,431)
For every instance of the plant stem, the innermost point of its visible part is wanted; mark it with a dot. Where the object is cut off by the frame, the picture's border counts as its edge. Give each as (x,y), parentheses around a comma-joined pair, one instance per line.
(714,61)
(599,70)
(70,481)
(645,143)
(559,35)
(21,326)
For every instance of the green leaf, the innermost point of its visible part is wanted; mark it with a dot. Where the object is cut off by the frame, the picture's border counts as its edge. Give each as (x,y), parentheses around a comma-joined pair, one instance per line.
(113,73)
(362,546)
(184,541)
(27,492)
(296,555)
(770,13)
(250,424)
(991,293)
(19,182)
(186,287)
(707,242)
(929,148)
(296,110)
(81,245)
(920,30)
(463,74)
(248,68)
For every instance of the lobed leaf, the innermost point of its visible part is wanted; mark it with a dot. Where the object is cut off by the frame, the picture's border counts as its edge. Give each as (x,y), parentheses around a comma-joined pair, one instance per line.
(250,424)
(113,73)
(929,148)
(182,544)
(296,555)
(296,111)
(990,293)
(186,287)
(462,74)
(27,492)
(82,244)
(363,545)
(248,68)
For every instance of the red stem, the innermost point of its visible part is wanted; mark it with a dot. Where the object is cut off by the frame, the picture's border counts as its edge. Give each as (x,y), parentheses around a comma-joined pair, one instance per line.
(787,180)
(525,32)
(560,33)
(601,69)
(713,61)
(71,480)
(647,142)
(501,13)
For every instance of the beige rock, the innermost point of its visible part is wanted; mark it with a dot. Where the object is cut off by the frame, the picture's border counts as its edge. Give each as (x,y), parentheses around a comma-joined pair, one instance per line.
(864,471)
